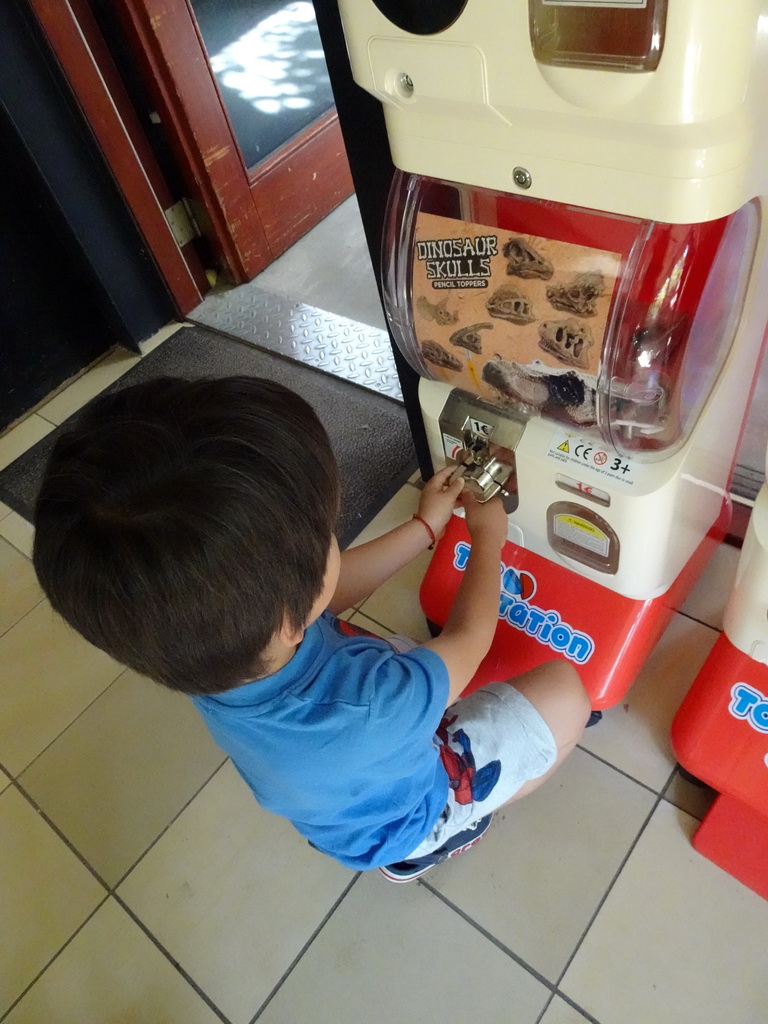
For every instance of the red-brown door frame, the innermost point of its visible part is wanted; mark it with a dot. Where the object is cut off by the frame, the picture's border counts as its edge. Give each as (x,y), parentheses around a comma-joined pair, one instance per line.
(84,58)
(253,215)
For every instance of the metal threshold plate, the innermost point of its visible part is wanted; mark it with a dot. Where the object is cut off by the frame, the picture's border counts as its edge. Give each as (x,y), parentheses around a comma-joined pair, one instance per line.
(345,348)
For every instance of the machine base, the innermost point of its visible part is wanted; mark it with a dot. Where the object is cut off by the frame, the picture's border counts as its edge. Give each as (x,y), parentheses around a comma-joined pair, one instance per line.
(735,837)
(720,732)
(549,611)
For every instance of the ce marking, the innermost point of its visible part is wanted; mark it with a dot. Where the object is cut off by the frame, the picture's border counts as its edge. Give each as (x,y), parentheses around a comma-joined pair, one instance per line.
(583,451)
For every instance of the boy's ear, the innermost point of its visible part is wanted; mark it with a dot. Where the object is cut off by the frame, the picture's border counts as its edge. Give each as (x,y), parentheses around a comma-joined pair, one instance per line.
(289,635)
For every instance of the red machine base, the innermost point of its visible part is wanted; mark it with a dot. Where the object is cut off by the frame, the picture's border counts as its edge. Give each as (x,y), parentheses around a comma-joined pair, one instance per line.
(735,837)
(549,611)
(720,732)
(720,735)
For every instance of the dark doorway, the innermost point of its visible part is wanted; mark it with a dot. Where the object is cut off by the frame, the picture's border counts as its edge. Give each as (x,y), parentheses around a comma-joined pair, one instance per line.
(50,325)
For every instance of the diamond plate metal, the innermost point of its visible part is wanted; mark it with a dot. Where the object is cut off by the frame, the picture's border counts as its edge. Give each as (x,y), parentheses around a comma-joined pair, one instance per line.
(345,348)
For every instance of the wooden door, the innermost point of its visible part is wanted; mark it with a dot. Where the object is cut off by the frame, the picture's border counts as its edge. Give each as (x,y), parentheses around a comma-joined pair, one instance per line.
(85,61)
(252,213)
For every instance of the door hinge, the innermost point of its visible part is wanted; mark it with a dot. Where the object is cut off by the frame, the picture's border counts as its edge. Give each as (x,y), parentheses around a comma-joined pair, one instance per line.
(182,222)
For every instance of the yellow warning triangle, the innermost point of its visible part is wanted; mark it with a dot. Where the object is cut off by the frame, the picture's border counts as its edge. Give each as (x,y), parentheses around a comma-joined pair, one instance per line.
(564,447)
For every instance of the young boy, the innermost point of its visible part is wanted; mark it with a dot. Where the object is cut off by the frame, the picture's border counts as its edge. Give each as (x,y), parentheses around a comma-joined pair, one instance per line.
(187,529)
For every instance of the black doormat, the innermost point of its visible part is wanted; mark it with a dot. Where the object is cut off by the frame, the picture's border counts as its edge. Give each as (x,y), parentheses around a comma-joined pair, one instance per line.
(369,432)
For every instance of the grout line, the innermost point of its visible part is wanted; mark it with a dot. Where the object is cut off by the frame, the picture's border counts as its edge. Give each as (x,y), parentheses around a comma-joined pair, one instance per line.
(78,716)
(304,949)
(55,956)
(160,835)
(615,878)
(26,613)
(111,892)
(52,824)
(28,420)
(175,963)
(580,1009)
(566,999)
(667,786)
(701,622)
(554,990)
(491,938)
(388,628)
(19,784)
(621,771)
(544,1008)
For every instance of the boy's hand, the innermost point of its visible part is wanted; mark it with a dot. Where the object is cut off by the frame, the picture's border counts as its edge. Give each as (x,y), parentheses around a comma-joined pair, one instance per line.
(438,499)
(485,519)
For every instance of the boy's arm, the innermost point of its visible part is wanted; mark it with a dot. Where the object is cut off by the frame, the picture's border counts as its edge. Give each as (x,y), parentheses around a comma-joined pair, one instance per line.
(471,623)
(366,567)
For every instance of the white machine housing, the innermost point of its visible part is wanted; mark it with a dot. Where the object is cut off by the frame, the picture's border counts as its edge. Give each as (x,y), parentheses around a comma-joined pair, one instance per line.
(745,621)
(685,143)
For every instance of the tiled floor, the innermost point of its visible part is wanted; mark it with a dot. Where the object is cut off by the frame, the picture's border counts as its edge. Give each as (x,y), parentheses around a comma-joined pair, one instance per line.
(140,883)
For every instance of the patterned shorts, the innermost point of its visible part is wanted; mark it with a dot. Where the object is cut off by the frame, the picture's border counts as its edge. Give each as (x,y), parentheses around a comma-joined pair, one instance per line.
(490,743)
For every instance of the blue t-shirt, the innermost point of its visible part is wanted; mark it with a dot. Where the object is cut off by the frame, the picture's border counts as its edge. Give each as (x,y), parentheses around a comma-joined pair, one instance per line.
(341,742)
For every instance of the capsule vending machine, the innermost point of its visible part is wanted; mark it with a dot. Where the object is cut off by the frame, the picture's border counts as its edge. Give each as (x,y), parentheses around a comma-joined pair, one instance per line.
(574,263)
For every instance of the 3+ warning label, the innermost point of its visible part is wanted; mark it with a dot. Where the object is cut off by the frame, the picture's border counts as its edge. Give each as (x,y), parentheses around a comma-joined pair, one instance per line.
(582,452)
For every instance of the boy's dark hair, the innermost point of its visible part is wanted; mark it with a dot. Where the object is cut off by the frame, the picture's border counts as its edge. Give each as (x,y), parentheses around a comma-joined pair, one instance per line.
(180,523)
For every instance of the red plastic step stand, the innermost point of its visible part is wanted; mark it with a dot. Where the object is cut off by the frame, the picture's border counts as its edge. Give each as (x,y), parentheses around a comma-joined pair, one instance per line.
(622,630)
(735,837)
(720,738)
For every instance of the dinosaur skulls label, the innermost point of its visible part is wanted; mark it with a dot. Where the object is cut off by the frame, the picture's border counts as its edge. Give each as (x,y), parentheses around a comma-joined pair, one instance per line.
(458,262)
(544,625)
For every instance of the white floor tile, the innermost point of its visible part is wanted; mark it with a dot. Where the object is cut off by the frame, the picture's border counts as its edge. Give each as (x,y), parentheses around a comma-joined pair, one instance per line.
(541,870)
(677,940)
(634,735)
(160,336)
(19,589)
(111,972)
(50,675)
(45,895)
(125,768)
(4,510)
(358,619)
(398,954)
(22,437)
(100,376)
(233,893)
(93,382)
(708,598)
(560,1012)
(396,603)
(19,532)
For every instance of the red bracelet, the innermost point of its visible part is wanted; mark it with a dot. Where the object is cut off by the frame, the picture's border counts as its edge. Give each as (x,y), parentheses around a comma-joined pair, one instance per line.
(428,528)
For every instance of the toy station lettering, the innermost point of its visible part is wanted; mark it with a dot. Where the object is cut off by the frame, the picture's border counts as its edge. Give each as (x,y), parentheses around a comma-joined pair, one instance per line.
(750,705)
(458,262)
(546,627)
